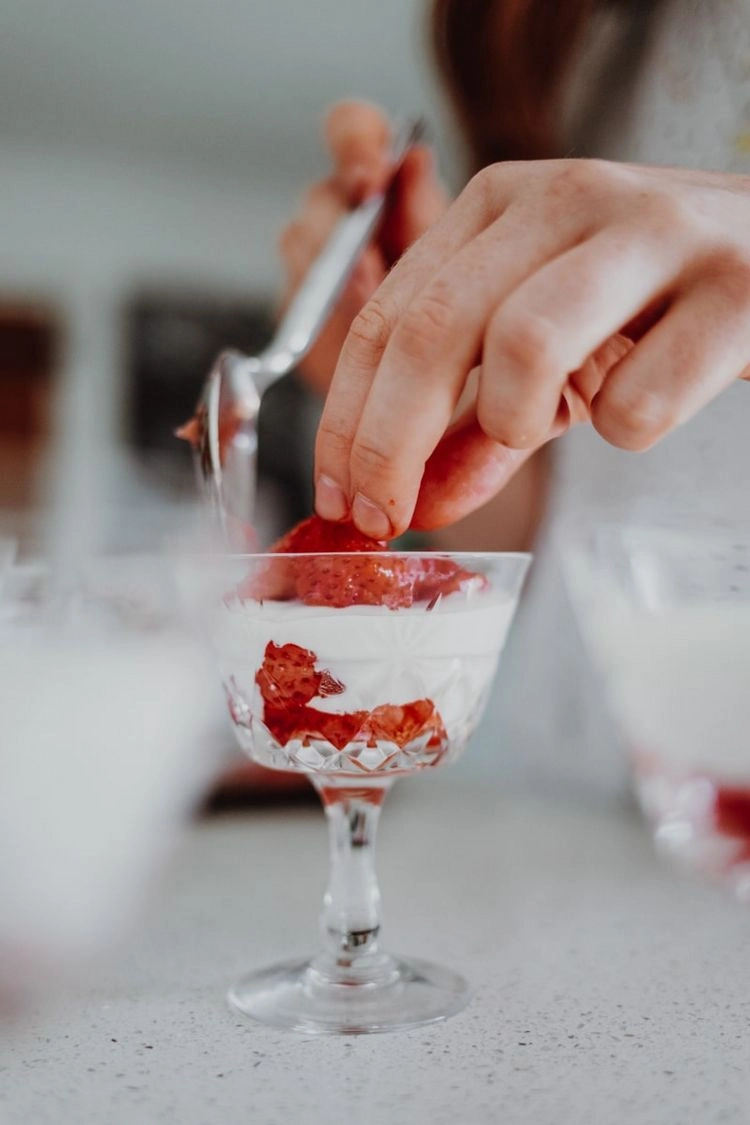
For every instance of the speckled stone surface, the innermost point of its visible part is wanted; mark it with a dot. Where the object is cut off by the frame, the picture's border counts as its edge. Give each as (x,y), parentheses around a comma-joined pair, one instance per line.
(607,989)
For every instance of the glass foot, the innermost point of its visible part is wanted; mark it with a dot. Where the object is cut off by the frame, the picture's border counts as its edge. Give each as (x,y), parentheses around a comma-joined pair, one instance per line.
(392,995)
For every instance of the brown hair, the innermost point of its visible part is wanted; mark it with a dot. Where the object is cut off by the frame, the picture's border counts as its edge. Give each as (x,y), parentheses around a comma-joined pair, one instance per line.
(505,63)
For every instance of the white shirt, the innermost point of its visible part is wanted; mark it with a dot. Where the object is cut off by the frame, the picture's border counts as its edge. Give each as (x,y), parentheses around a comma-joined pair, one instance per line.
(681,98)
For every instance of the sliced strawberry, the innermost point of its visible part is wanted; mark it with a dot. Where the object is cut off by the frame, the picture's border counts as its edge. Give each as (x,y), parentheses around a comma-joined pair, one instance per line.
(331,581)
(287,677)
(315,536)
(329,685)
(339,729)
(402,724)
(434,577)
(278,579)
(306,723)
(275,581)
(289,681)
(323,580)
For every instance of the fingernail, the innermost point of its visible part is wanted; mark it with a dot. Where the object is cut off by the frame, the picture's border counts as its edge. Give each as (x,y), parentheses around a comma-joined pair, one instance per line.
(370,518)
(362,181)
(330,501)
(354,179)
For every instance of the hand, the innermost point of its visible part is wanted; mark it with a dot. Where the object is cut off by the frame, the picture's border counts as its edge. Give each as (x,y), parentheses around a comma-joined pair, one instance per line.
(357,136)
(635,280)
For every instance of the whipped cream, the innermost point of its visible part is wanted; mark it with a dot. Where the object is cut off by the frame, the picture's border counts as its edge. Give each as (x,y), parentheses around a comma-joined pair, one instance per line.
(447,654)
(679,682)
(104,748)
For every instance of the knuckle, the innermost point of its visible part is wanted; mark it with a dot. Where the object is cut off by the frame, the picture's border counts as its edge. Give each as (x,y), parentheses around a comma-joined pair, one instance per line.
(370,330)
(526,341)
(668,213)
(431,317)
(729,273)
(369,460)
(582,177)
(482,187)
(333,437)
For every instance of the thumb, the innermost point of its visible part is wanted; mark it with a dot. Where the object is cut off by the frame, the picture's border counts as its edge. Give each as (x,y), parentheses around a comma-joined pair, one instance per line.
(465,471)
(358,135)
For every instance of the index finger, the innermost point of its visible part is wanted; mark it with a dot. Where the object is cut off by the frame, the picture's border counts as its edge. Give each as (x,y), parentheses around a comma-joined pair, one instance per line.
(358,135)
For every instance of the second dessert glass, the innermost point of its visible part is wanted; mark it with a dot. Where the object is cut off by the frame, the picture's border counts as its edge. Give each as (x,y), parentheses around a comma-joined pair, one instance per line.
(666,614)
(354,696)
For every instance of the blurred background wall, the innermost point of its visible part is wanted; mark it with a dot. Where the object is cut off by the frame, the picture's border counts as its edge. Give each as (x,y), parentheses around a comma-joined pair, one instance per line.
(149,153)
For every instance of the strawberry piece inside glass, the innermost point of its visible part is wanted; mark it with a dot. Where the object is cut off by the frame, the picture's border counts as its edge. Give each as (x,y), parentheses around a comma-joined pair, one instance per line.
(395,581)
(289,682)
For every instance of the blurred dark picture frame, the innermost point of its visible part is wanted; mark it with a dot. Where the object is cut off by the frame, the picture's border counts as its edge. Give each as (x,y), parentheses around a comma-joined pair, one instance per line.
(31,336)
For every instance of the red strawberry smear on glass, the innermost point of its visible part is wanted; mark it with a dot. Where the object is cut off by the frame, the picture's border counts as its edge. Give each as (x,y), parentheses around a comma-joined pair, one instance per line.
(732,811)
(732,818)
(328,579)
(194,432)
(289,682)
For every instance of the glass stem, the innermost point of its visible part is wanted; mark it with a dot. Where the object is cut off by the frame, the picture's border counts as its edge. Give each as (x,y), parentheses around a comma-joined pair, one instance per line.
(350,922)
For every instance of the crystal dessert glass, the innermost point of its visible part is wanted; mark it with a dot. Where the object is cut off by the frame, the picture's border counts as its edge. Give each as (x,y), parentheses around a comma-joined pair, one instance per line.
(389,680)
(666,614)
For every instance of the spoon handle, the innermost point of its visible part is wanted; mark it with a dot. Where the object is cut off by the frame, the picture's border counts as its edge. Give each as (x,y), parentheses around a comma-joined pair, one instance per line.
(329,273)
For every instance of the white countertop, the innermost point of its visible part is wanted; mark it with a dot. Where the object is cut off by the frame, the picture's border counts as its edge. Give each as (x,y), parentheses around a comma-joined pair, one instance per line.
(607,988)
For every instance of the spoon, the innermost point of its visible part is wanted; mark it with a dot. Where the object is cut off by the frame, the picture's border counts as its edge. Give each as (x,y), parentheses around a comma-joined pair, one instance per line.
(223,432)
